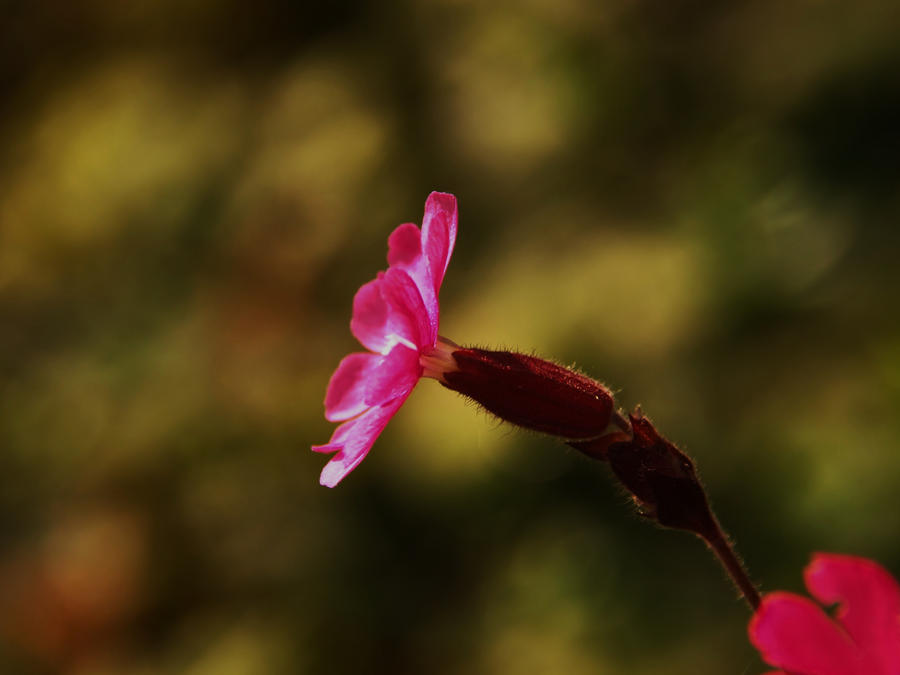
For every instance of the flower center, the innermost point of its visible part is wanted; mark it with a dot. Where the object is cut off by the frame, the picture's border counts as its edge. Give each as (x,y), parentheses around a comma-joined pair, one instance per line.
(393,340)
(440,359)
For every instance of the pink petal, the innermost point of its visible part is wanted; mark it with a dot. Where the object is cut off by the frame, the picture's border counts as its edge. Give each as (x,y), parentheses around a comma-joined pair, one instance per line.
(396,315)
(404,245)
(439,234)
(405,252)
(870,604)
(396,374)
(346,393)
(354,439)
(794,634)
(402,294)
(327,447)
(379,324)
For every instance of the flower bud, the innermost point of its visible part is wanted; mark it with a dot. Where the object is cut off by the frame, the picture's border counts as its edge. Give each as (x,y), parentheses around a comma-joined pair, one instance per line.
(532,393)
(662,479)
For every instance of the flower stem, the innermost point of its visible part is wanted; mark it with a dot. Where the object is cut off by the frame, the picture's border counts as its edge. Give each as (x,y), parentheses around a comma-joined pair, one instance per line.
(724,551)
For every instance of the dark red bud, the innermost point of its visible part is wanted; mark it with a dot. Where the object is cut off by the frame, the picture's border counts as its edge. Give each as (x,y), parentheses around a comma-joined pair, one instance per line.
(662,479)
(532,393)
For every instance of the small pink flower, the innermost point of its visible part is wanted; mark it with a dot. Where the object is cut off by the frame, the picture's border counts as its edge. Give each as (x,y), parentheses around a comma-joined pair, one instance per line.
(396,318)
(796,635)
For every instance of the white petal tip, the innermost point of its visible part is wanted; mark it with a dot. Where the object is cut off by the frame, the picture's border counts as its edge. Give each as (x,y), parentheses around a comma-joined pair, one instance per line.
(332,474)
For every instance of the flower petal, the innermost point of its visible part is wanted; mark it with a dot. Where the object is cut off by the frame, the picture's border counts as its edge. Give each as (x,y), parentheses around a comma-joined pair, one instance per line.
(396,374)
(439,234)
(404,245)
(401,293)
(379,324)
(396,316)
(870,604)
(405,252)
(794,634)
(354,439)
(346,393)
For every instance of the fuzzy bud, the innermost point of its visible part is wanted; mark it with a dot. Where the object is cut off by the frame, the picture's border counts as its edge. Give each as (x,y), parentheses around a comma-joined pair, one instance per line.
(662,479)
(532,393)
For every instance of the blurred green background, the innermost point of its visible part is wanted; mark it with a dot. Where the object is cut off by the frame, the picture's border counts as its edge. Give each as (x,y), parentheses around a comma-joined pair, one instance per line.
(695,202)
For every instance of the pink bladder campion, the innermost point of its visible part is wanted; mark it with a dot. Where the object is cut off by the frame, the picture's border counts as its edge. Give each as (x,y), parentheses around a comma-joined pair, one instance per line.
(396,318)
(796,635)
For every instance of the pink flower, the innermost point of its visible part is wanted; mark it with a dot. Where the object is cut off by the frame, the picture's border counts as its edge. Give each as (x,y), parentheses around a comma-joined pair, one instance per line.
(396,318)
(796,635)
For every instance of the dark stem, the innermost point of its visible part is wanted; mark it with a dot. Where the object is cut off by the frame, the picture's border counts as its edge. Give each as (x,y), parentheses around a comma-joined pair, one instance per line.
(724,551)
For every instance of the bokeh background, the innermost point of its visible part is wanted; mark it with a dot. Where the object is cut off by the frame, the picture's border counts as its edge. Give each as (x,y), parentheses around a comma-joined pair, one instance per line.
(695,202)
